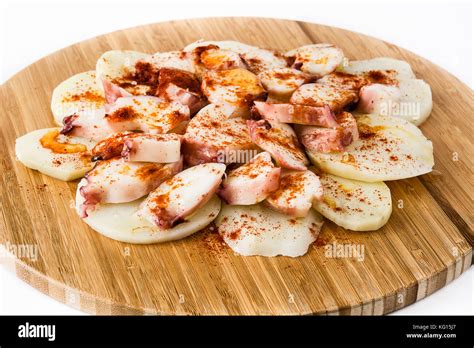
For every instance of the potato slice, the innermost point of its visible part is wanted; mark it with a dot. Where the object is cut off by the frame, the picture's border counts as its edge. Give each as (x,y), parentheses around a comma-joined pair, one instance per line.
(62,166)
(416,102)
(234,46)
(389,148)
(117,66)
(79,93)
(173,60)
(354,205)
(117,63)
(402,68)
(258,230)
(120,221)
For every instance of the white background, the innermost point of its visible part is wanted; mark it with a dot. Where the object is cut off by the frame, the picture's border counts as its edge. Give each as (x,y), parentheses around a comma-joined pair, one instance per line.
(438,31)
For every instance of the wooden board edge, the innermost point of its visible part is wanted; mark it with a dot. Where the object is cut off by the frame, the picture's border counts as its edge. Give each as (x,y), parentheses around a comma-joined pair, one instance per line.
(89,304)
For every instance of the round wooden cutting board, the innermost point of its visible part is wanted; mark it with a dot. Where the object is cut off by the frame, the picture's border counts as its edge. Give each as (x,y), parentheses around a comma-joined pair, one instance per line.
(426,244)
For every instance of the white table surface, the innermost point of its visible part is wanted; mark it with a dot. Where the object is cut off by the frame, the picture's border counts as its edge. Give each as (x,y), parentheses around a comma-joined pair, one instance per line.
(438,31)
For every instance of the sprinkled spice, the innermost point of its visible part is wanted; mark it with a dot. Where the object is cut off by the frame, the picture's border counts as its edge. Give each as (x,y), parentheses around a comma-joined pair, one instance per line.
(320,242)
(145,74)
(180,78)
(150,171)
(284,75)
(368,132)
(87,96)
(42,187)
(123,114)
(234,235)
(212,240)
(161,201)
(385,77)
(357,81)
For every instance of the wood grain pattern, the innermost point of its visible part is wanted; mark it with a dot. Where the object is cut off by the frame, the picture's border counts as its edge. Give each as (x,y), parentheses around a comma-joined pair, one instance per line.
(425,245)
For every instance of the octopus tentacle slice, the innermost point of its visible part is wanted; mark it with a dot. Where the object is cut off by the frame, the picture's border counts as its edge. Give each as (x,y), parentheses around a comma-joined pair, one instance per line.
(138,113)
(297,114)
(252,182)
(88,125)
(119,181)
(114,92)
(280,83)
(211,136)
(296,194)
(318,95)
(211,57)
(182,87)
(318,59)
(335,139)
(280,141)
(178,198)
(259,60)
(234,89)
(140,147)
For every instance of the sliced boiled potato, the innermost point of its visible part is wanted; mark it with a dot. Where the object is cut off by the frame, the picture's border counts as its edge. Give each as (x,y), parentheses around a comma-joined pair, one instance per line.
(234,46)
(354,205)
(389,148)
(120,222)
(63,166)
(380,63)
(258,230)
(171,59)
(416,102)
(78,93)
(114,65)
